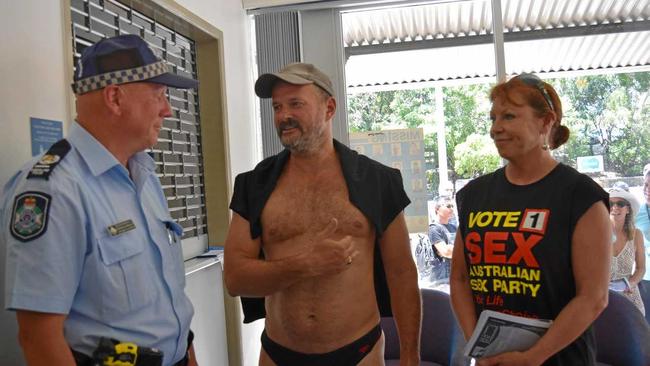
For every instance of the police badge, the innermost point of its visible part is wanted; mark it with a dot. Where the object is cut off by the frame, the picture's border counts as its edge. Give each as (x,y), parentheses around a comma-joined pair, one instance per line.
(30,214)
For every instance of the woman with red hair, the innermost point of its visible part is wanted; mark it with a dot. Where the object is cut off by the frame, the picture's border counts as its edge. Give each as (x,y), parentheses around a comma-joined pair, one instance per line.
(533,236)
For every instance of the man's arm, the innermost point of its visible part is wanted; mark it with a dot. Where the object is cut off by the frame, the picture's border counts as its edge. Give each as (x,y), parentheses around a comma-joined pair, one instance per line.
(435,237)
(445,250)
(247,275)
(41,337)
(590,252)
(191,357)
(402,278)
(461,295)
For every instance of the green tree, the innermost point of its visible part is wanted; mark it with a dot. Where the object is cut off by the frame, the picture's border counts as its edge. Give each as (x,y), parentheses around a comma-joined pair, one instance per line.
(394,109)
(370,111)
(413,108)
(466,113)
(476,156)
(608,115)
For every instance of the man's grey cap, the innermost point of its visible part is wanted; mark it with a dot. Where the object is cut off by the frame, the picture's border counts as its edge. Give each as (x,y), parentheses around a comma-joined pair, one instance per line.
(296,73)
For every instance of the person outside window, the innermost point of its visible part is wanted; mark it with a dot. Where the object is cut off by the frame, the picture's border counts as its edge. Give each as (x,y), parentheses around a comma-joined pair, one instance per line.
(628,259)
(643,224)
(441,235)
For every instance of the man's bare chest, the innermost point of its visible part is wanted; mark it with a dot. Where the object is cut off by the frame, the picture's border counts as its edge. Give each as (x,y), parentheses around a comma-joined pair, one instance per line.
(305,208)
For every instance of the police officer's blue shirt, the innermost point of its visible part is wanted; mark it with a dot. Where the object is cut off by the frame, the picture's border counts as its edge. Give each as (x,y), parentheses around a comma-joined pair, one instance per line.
(82,257)
(643,224)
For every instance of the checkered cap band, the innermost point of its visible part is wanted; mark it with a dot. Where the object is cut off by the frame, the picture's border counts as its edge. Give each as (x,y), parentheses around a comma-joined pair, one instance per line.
(140,73)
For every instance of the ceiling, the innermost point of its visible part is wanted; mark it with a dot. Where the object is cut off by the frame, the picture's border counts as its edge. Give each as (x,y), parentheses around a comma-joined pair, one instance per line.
(453,41)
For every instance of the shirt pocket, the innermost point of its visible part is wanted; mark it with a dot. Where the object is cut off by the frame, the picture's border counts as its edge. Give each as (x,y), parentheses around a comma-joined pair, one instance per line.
(171,234)
(125,274)
(174,230)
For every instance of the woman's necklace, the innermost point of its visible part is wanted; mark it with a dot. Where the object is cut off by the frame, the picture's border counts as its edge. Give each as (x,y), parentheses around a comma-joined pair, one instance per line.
(619,241)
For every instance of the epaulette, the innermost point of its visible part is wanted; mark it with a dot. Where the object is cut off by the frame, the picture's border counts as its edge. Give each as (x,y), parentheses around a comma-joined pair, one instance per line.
(46,164)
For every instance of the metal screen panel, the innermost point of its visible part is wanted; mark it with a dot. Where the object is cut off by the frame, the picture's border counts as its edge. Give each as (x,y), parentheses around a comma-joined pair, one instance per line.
(179,161)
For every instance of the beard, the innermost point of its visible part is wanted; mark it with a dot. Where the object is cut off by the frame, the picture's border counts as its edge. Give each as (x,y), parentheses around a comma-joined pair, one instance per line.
(308,140)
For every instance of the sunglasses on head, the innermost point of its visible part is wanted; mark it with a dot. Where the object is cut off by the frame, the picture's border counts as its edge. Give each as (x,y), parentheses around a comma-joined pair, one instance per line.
(619,204)
(534,81)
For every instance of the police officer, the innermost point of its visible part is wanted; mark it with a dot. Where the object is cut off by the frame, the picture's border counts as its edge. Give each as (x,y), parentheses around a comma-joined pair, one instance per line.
(92,251)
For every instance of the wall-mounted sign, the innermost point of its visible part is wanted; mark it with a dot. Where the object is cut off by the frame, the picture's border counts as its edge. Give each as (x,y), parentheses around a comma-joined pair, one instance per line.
(401,149)
(590,164)
(45,133)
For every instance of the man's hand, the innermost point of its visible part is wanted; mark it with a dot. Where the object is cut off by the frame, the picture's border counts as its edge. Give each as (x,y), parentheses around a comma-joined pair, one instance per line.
(247,275)
(327,256)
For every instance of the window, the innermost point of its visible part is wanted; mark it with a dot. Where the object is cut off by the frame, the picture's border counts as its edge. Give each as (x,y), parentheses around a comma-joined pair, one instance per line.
(415,68)
(591,55)
(431,67)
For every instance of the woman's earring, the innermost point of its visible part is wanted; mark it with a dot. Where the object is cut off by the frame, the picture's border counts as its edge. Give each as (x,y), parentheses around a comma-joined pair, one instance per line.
(545,145)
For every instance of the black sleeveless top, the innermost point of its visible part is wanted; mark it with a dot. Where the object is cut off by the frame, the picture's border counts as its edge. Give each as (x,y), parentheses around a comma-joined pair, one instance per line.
(518,246)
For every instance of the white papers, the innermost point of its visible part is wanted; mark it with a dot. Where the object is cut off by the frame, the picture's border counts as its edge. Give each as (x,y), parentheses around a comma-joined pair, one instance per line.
(498,332)
(619,285)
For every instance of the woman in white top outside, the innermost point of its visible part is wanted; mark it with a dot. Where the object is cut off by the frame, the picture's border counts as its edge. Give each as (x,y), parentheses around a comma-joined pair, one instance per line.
(627,249)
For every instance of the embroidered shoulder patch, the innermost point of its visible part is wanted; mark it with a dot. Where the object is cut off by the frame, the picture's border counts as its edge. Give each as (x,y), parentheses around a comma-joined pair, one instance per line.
(44,167)
(30,215)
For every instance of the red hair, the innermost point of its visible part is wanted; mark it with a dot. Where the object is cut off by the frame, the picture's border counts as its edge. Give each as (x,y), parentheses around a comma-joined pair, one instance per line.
(533,96)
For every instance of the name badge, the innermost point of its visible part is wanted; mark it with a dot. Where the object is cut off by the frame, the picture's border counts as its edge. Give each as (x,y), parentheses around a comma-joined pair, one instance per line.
(121,227)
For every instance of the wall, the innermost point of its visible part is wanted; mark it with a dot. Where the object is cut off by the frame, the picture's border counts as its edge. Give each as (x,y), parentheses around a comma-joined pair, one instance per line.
(34,83)
(210,334)
(229,17)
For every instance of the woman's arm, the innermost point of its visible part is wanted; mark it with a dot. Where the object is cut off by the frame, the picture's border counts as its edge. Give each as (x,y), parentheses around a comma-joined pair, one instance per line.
(639,259)
(590,252)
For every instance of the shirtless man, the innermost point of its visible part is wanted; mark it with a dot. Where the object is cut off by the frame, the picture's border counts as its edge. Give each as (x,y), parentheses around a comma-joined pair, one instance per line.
(331,228)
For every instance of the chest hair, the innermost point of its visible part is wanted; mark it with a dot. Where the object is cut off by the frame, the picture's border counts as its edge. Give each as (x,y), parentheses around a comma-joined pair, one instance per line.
(305,205)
